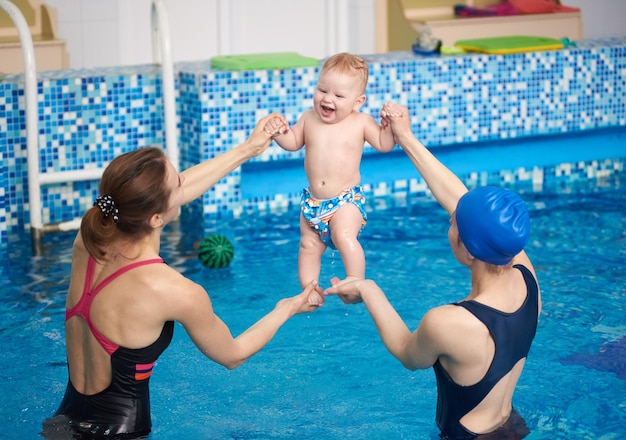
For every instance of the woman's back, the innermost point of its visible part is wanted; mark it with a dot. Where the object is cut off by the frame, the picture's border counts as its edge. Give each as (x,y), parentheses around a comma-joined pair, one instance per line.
(109,304)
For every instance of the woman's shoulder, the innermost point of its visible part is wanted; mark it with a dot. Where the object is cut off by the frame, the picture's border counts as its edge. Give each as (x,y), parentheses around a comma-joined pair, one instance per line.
(450,318)
(172,280)
(78,242)
(176,295)
(80,255)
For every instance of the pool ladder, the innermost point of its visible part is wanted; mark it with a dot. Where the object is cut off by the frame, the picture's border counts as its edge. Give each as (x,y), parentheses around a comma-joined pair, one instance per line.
(161,54)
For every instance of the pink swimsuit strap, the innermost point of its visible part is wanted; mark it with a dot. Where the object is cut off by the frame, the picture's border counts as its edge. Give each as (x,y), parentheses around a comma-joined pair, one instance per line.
(83,307)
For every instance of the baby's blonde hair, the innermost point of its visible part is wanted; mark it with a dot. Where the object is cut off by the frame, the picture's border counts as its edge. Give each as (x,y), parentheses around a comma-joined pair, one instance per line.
(349,64)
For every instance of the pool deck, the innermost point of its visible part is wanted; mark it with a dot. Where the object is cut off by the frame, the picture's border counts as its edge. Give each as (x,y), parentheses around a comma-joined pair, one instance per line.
(476,111)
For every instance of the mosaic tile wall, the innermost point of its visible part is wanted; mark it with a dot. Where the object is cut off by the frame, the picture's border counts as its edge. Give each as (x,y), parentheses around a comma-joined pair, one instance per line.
(88,117)
(4,183)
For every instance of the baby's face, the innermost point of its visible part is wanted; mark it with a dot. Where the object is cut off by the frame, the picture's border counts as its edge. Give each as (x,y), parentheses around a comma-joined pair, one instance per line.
(337,95)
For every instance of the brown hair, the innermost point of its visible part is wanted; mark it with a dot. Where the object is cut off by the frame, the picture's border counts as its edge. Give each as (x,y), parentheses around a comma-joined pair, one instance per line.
(350,64)
(136,182)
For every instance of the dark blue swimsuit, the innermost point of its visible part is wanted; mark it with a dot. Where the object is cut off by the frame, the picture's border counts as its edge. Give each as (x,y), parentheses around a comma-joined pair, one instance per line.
(513,334)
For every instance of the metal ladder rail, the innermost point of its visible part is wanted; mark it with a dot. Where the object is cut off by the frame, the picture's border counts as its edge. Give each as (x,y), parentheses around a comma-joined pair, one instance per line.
(161,55)
(337,13)
(32,125)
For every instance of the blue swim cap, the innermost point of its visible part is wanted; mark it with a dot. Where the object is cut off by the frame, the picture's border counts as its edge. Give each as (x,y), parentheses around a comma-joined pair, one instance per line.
(493,224)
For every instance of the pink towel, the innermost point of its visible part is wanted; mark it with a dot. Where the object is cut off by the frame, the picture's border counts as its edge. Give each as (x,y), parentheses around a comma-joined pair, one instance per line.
(513,7)
(540,6)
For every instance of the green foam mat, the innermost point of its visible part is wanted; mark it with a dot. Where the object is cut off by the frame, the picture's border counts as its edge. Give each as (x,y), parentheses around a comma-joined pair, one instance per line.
(509,44)
(263,61)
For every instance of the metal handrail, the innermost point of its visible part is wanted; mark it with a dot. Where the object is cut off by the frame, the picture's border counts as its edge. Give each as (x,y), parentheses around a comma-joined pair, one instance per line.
(30,95)
(337,15)
(162,54)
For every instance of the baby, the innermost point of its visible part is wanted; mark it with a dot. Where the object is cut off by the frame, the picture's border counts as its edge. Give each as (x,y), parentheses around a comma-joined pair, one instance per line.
(334,132)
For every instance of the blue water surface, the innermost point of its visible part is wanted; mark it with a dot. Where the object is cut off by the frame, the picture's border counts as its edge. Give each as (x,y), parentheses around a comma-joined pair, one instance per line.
(327,375)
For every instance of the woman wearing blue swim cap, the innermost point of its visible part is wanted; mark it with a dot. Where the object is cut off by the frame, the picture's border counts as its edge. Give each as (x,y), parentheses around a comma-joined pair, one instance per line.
(477,346)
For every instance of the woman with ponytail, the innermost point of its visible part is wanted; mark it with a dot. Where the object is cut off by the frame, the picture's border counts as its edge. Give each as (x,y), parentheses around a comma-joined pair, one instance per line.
(123,300)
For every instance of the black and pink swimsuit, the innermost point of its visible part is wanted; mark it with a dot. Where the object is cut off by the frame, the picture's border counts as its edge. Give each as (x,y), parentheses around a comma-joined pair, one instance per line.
(123,408)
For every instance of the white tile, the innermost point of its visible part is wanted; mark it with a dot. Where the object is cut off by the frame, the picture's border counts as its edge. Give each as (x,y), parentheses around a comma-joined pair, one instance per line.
(134,35)
(99,10)
(193,30)
(252,30)
(72,34)
(100,44)
(67,10)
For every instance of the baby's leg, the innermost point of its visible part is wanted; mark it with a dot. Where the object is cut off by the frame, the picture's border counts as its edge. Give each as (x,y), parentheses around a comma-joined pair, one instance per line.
(344,229)
(310,255)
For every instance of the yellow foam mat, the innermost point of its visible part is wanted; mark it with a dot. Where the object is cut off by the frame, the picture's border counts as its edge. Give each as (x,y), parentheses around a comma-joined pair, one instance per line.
(509,44)
(263,61)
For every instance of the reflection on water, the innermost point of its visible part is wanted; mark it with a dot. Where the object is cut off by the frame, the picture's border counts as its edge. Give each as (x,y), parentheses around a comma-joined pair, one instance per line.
(327,375)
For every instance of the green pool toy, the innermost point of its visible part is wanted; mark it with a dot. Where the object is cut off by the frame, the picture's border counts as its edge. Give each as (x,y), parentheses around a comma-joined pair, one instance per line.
(263,61)
(215,251)
(510,44)
(451,50)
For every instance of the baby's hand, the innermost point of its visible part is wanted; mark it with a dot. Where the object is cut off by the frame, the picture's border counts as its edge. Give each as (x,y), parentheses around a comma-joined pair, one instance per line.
(276,127)
(390,110)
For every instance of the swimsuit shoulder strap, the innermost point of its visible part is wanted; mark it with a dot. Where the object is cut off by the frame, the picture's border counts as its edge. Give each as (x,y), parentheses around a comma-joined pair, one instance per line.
(121,271)
(83,307)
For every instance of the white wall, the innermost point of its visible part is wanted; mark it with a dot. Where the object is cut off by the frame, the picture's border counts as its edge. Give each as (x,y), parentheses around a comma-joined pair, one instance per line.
(118,32)
(601,18)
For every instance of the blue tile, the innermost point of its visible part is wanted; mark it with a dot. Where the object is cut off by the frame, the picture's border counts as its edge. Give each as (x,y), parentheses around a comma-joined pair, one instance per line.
(87,117)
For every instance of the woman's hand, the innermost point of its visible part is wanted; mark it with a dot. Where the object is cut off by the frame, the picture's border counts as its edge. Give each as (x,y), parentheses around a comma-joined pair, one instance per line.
(260,138)
(276,127)
(397,117)
(347,290)
(311,298)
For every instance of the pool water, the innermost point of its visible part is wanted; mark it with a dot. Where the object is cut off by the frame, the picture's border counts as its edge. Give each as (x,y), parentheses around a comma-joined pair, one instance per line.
(327,375)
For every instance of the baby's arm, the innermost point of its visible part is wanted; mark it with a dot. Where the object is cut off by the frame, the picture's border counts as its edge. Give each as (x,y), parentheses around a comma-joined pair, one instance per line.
(379,136)
(387,142)
(288,139)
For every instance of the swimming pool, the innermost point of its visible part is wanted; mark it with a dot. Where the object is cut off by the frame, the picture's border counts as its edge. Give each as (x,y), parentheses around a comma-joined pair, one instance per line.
(327,375)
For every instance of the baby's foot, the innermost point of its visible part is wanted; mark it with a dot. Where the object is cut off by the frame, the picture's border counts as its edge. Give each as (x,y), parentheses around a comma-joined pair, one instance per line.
(315,299)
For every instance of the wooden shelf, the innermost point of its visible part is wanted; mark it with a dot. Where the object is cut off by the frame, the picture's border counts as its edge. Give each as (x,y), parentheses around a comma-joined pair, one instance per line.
(50,51)
(398,24)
